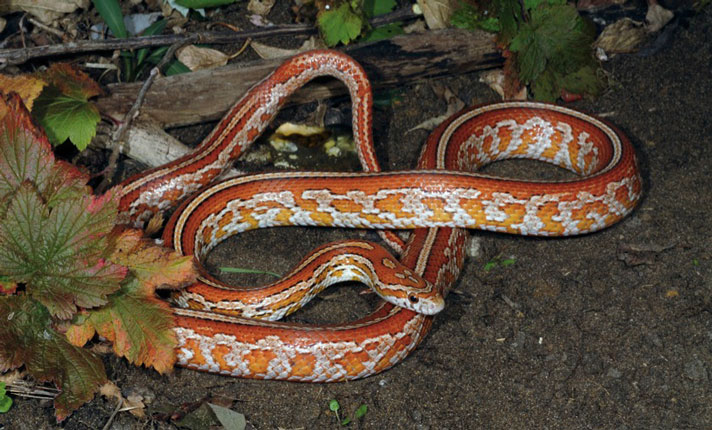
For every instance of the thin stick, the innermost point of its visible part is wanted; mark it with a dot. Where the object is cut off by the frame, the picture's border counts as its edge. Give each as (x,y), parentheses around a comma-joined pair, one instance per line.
(119,137)
(113,414)
(19,56)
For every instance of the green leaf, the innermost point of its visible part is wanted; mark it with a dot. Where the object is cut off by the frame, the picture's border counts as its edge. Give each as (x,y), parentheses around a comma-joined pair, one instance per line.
(175,67)
(340,25)
(153,29)
(334,405)
(509,13)
(58,252)
(554,51)
(361,411)
(373,8)
(27,337)
(199,4)
(229,419)
(110,11)
(384,32)
(533,4)
(5,400)
(469,17)
(66,117)
(583,81)
(25,155)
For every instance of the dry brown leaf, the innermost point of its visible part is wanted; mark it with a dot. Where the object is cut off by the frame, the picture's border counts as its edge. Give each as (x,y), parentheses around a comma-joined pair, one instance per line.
(656,17)
(197,58)
(260,7)
(437,12)
(45,10)
(27,86)
(623,36)
(110,391)
(268,52)
(134,404)
(495,79)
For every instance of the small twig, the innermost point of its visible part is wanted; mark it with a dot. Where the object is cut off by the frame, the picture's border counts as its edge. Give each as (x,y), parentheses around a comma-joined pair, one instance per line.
(19,56)
(56,32)
(113,414)
(119,137)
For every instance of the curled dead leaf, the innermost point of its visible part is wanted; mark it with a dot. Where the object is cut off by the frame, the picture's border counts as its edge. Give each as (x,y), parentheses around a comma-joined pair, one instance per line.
(260,7)
(197,58)
(437,12)
(623,36)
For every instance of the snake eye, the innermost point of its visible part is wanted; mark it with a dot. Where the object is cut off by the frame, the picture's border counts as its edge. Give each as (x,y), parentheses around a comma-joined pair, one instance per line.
(413,299)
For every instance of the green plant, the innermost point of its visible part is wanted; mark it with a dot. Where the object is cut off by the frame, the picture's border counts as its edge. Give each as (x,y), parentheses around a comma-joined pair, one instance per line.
(63,107)
(334,407)
(346,21)
(548,44)
(498,262)
(67,272)
(5,400)
(135,63)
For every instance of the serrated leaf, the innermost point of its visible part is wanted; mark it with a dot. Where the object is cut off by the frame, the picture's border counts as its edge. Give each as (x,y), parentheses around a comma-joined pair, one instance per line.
(27,337)
(64,117)
(27,86)
(552,44)
(153,265)
(339,25)
(25,155)
(199,4)
(63,108)
(71,81)
(139,325)
(110,11)
(58,252)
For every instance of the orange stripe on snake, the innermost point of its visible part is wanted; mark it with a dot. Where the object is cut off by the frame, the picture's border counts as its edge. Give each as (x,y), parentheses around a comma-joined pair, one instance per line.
(227,331)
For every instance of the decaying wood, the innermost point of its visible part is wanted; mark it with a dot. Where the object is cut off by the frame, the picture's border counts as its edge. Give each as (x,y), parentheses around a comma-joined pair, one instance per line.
(206,95)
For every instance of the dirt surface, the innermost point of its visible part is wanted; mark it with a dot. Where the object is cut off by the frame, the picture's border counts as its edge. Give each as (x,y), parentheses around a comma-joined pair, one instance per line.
(611,330)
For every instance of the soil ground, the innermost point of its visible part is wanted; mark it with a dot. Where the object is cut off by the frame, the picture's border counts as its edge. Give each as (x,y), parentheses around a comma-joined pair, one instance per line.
(578,333)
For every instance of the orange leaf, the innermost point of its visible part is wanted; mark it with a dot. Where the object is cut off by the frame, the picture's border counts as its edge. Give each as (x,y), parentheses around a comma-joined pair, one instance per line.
(153,265)
(27,86)
(71,81)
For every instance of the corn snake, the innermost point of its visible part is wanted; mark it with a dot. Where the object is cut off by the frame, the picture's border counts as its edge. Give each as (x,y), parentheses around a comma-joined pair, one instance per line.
(229,331)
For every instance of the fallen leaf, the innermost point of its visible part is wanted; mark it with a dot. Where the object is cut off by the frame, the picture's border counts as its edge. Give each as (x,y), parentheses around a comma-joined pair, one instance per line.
(496,80)
(621,37)
(437,12)
(656,17)
(260,7)
(268,52)
(197,58)
(27,86)
(46,11)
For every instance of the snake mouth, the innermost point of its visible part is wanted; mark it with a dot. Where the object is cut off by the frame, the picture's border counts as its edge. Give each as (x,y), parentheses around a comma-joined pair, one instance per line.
(430,306)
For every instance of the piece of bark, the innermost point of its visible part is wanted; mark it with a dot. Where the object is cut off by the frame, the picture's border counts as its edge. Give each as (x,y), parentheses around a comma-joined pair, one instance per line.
(147,143)
(206,95)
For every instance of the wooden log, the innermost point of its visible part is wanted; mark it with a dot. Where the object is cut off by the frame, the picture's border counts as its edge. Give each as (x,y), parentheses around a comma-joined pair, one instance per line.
(205,95)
